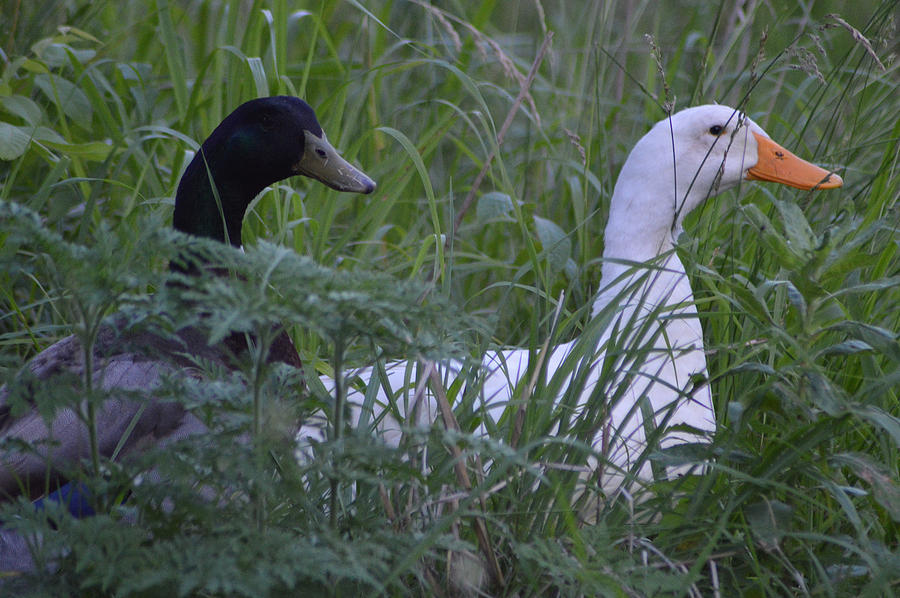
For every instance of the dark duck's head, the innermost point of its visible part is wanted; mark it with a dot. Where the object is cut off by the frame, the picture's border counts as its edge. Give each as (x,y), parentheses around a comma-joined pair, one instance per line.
(262,142)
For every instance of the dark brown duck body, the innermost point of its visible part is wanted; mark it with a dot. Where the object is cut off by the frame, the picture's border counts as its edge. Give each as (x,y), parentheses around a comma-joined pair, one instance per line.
(263,141)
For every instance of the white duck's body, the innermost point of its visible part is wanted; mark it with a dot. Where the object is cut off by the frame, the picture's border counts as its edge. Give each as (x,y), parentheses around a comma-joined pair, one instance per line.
(647,331)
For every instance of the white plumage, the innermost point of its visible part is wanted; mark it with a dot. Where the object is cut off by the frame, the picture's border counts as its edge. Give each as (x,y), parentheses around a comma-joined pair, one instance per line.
(645,323)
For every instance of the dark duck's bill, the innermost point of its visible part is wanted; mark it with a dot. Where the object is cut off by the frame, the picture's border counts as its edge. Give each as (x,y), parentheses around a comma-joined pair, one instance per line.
(322,162)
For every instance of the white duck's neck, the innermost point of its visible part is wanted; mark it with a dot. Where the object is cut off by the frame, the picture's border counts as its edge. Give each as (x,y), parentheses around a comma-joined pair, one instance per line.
(642,227)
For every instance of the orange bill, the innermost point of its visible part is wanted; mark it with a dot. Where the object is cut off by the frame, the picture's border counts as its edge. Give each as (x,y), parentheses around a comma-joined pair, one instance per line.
(777,165)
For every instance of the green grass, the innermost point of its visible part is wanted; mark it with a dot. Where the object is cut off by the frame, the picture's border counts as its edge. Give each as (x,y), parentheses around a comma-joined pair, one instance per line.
(798,292)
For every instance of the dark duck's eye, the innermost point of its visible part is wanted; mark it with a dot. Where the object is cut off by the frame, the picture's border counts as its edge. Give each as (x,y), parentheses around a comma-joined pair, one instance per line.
(716,130)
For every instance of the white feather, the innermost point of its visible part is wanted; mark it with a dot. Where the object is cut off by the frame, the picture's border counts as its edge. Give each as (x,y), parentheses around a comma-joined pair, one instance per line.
(645,298)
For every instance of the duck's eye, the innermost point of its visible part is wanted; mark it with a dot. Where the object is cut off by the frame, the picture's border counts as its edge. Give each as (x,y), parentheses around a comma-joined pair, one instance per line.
(716,130)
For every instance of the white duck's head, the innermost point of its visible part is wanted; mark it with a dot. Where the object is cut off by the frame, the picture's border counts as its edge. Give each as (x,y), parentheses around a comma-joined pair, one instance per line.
(682,161)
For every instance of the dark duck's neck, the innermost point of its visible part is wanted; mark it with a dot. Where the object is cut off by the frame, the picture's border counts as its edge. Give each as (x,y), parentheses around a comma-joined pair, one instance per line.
(212,197)
(262,142)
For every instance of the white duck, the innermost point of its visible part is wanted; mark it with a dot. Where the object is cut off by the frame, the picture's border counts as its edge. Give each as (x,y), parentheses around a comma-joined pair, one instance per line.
(647,326)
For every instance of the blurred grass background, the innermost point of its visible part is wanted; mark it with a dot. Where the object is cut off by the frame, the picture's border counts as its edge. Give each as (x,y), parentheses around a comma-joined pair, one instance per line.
(101,104)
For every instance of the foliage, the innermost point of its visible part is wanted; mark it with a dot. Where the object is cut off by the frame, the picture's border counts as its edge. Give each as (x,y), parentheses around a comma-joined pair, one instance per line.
(101,105)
